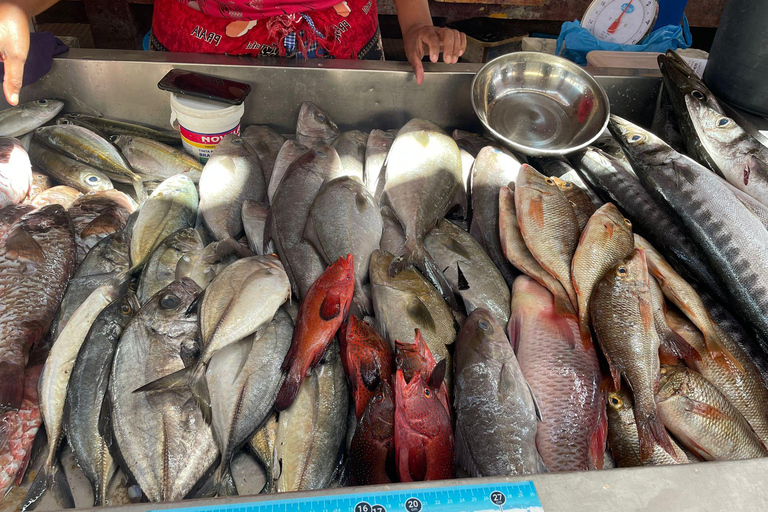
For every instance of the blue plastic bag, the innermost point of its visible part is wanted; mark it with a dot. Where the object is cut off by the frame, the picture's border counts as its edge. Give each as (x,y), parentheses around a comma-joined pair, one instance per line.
(579,41)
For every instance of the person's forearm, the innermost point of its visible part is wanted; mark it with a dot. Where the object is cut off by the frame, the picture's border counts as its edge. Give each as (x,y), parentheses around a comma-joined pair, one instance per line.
(411,13)
(31,7)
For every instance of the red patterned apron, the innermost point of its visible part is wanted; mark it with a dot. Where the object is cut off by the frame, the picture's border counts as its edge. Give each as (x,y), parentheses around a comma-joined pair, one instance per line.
(324,28)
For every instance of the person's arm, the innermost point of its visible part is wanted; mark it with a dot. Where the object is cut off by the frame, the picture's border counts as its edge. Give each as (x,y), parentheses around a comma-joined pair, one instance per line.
(14,41)
(420,36)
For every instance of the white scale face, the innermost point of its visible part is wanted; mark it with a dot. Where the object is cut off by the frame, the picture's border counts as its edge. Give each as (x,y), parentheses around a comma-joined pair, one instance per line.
(620,21)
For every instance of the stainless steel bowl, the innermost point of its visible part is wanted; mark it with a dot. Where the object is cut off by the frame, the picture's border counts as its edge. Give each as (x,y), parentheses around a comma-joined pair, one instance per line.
(539,104)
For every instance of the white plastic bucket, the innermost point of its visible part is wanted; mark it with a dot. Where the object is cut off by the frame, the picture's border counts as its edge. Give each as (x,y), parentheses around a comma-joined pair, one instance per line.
(203,123)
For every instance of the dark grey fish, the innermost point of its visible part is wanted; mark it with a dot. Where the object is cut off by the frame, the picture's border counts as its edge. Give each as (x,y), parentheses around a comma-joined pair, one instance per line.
(86,418)
(290,210)
(345,219)
(289,153)
(107,259)
(160,269)
(732,238)
(267,143)
(469,270)
(493,169)
(314,127)
(665,124)
(392,237)
(351,149)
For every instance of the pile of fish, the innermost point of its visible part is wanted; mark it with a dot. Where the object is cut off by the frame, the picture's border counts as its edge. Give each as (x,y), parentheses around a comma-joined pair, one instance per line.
(366,308)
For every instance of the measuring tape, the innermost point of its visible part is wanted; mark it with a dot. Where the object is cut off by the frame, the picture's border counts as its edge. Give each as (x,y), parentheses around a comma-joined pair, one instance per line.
(503,497)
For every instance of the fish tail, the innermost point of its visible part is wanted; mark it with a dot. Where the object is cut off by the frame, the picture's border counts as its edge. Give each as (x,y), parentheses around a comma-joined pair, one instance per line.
(651,432)
(225,483)
(199,386)
(362,305)
(175,380)
(563,306)
(598,438)
(138,187)
(51,477)
(11,386)
(586,334)
(674,346)
(718,351)
(416,255)
(289,390)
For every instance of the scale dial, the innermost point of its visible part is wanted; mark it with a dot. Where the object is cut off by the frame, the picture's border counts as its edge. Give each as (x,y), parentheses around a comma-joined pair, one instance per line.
(620,21)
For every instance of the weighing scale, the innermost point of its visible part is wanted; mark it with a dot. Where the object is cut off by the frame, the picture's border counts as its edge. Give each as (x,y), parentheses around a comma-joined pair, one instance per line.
(620,21)
(502,497)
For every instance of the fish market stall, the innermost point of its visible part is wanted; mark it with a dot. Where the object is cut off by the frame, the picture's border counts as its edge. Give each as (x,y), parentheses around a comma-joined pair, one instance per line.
(307,232)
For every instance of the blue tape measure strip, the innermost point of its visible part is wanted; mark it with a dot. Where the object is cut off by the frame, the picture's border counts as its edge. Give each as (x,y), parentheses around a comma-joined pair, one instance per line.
(503,497)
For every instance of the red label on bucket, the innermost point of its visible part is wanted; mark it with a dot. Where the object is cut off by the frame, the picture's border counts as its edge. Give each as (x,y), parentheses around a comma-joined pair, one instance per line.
(203,143)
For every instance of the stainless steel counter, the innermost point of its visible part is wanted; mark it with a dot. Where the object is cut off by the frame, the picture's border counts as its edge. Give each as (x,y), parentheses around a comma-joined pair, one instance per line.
(359,94)
(384,95)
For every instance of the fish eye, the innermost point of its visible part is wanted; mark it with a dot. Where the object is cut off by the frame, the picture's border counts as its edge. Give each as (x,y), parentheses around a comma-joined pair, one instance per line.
(627,222)
(126,309)
(113,138)
(615,400)
(92,179)
(42,102)
(550,181)
(482,324)
(568,184)
(427,393)
(622,271)
(169,301)
(723,121)
(378,398)
(63,121)
(636,137)
(237,141)
(398,360)
(698,95)
(321,118)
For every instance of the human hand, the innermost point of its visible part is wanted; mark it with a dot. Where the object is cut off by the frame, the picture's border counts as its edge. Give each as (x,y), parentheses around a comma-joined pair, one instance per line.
(14,45)
(420,39)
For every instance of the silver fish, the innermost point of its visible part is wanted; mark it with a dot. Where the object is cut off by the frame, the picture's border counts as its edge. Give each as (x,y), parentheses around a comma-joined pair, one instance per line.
(232,175)
(109,127)
(376,151)
(351,149)
(161,437)
(68,171)
(289,153)
(241,404)
(155,160)
(27,117)
(255,216)
(311,432)
(160,269)
(423,176)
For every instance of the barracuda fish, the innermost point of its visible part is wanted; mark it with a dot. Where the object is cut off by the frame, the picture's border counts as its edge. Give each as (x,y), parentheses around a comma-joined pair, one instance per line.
(731,237)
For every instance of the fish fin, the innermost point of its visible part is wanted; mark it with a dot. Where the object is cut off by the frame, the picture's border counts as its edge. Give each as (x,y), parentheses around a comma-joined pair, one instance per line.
(651,432)
(646,313)
(598,438)
(403,470)
(138,187)
(678,346)
(175,380)
(438,375)
(288,391)
(310,235)
(564,330)
(419,312)
(225,483)
(717,350)
(370,371)
(104,224)
(416,255)
(754,166)
(463,453)
(563,306)
(331,306)
(49,478)
(705,410)
(199,386)
(105,420)
(362,301)
(536,211)
(21,245)
(417,462)
(536,407)
(463,284)
(246,346)
(194,306)
(11,386)
(586,333)
(514,328)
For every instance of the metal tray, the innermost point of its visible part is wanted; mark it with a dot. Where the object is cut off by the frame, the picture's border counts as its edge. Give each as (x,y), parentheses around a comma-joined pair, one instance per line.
(366,95)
